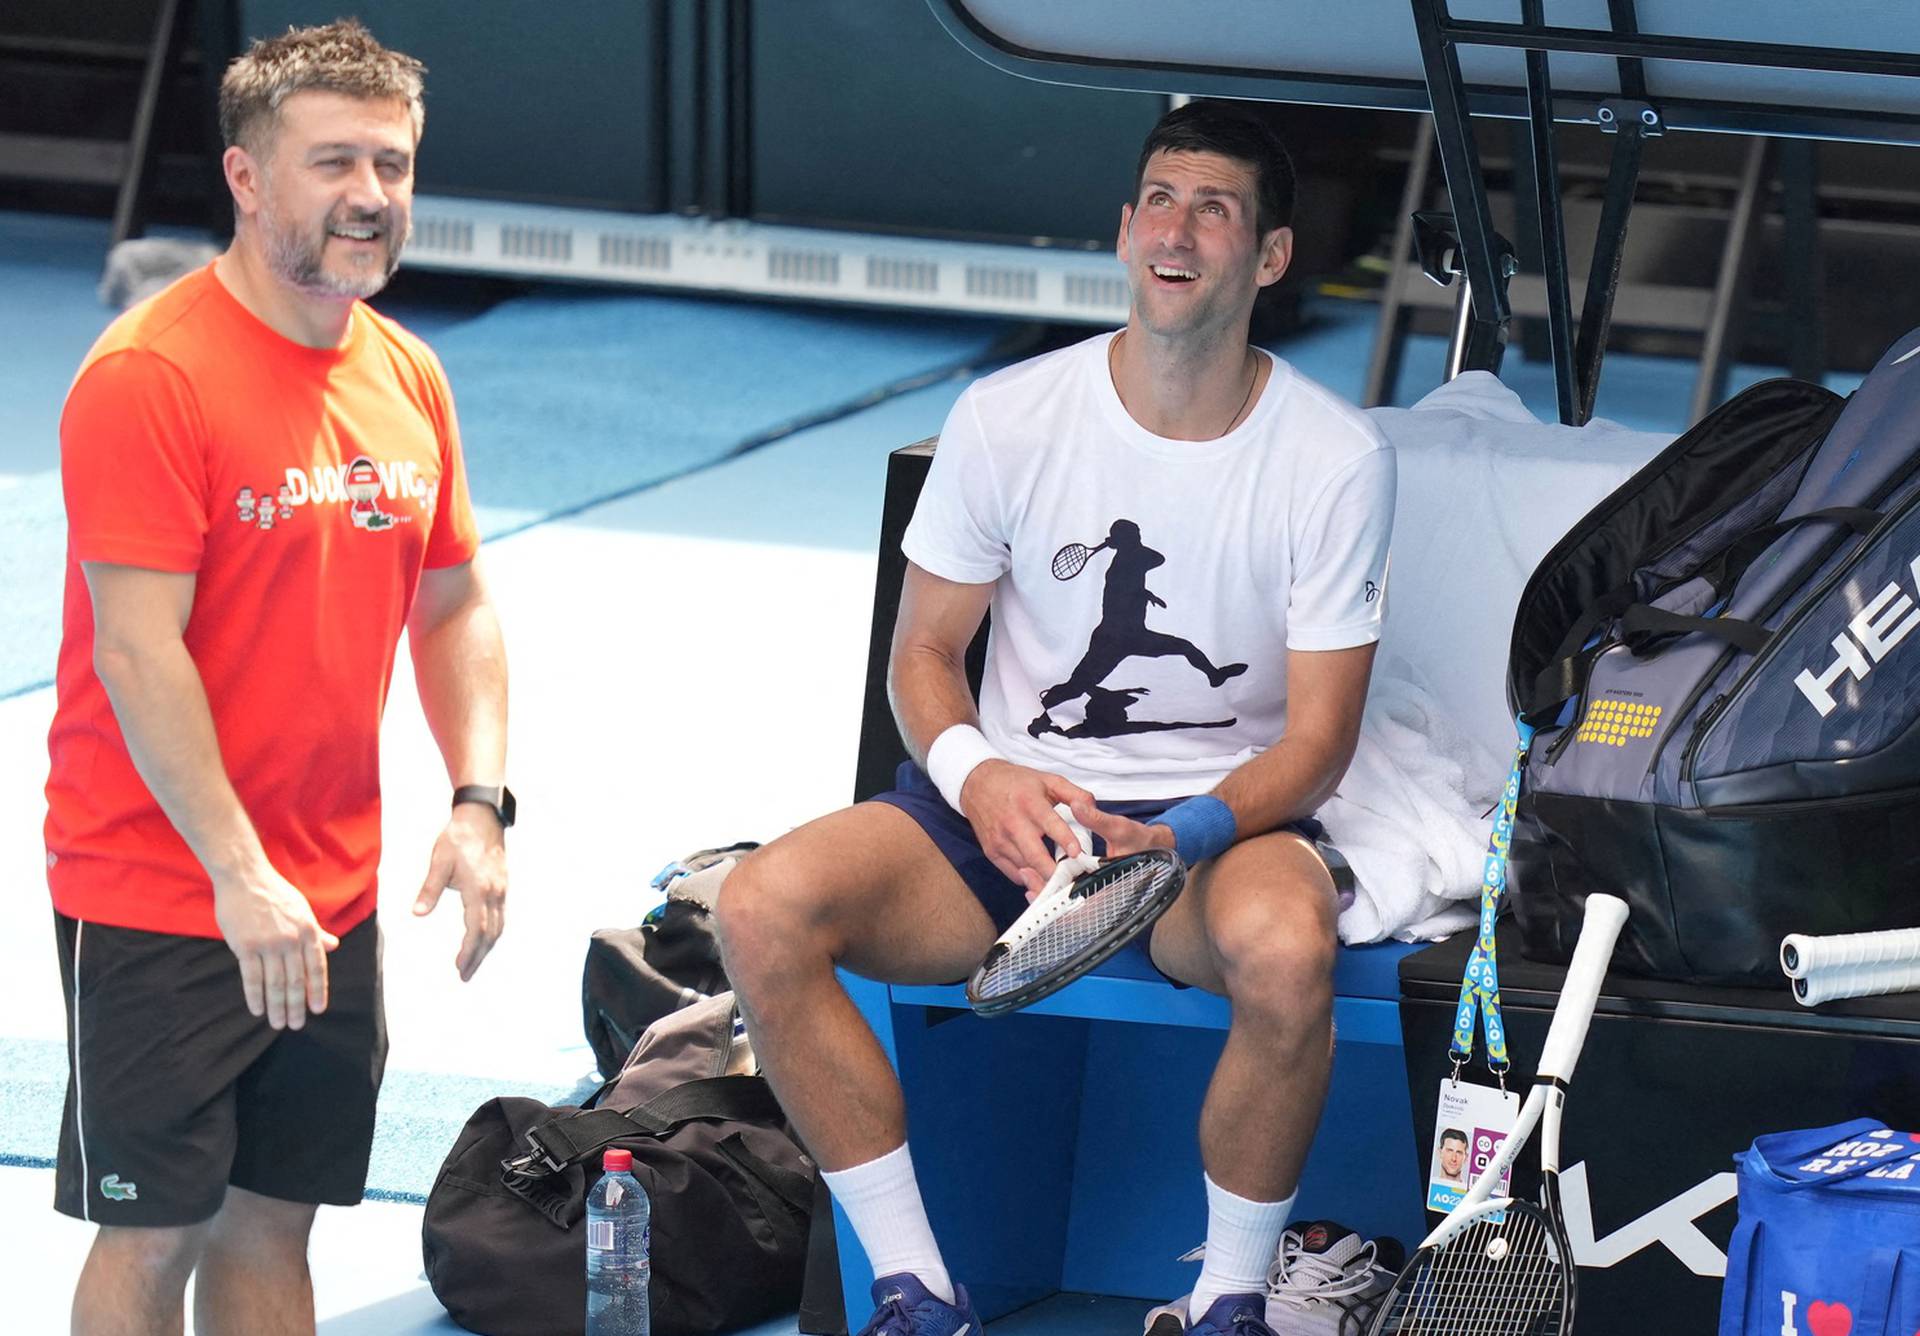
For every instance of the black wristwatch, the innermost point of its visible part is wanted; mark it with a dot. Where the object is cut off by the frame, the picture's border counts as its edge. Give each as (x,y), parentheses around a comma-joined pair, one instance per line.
(498,800)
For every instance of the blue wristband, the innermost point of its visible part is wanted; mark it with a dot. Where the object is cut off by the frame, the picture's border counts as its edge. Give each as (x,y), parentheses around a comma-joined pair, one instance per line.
(1202,827)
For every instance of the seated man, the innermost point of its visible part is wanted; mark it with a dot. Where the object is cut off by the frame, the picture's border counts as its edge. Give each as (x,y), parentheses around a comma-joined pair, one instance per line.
(1230,520)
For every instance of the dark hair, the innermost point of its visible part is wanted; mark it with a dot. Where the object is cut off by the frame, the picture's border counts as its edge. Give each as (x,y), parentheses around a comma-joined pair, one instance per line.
(1453,1134)
(339,57)
(1205,126)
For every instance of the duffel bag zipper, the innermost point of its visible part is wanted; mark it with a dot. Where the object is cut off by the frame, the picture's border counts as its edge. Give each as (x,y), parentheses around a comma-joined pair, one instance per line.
(1830,407)
(1746,811)
(1786,628)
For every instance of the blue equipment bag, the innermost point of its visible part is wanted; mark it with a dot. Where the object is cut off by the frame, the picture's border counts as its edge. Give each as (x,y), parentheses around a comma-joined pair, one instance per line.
(1721,663)
(1828,1242)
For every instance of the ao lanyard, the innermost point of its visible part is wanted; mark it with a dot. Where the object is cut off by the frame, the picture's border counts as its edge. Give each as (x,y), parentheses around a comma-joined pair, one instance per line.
(1480,989)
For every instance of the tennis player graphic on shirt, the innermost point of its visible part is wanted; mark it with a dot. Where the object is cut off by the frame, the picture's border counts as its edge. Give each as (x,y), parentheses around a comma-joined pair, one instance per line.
(1121,634)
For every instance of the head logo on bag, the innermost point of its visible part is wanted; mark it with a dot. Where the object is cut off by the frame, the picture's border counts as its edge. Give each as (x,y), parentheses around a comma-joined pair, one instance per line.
(1877,627)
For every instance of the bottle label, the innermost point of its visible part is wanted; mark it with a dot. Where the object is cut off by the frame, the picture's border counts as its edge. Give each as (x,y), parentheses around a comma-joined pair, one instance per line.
(600,1235)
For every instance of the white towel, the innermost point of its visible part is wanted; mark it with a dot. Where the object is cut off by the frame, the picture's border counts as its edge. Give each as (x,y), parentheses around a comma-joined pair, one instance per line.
(1412,815)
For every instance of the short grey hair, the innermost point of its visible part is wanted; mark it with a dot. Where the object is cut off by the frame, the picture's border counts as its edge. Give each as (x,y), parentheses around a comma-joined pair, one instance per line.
(338,57)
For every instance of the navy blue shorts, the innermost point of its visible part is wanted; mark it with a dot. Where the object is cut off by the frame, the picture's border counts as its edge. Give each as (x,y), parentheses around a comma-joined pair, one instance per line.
(1003,898)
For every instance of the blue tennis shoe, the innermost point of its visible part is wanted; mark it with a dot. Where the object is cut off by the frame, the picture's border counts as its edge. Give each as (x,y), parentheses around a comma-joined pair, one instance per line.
(903,1307)
(1229,1315)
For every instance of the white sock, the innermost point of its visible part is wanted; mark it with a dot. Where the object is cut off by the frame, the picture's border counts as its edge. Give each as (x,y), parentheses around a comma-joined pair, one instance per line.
(1242,1238)
(882,1201)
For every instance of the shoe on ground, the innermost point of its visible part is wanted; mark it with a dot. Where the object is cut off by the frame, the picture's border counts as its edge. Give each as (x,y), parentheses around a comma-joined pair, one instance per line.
(1168,1319)
(1229,1315)
(903,1307)
(1327,1280)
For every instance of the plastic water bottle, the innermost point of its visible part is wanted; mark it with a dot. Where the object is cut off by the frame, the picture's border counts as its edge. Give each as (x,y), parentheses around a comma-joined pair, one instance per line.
(619,1237)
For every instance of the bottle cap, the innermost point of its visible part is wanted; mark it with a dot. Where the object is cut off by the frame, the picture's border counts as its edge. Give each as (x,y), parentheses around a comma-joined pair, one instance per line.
(618,1161)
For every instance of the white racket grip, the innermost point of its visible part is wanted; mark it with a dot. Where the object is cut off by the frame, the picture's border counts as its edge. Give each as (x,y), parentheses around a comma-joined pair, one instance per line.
(1080,833)
(1828,984)
(1605,916)
(1802,955)
(1051,899)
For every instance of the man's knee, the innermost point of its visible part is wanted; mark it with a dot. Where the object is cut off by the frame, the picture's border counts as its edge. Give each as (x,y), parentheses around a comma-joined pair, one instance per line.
(772,912)
(251,1223)
(1271,926)
(157,1259)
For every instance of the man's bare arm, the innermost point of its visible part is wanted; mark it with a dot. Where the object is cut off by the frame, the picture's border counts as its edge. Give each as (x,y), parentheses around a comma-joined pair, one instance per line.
(927,669)
(1010,806)
(140,654)
(460,663)
(460,671)
(1326,693)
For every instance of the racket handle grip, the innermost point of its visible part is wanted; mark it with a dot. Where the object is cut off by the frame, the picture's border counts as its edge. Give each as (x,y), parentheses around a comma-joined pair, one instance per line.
(1829,984)
(1605,916)
(1802,955)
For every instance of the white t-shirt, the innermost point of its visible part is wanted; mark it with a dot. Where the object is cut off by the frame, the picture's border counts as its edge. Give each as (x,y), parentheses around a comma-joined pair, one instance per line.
(1159,664)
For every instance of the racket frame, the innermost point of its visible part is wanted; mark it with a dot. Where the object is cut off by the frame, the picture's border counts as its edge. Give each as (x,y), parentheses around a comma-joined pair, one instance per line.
(1566,1036)
(1054,899)
(1079,563)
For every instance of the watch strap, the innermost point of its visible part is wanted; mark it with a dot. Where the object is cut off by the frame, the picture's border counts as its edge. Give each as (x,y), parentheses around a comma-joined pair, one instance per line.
(497,797)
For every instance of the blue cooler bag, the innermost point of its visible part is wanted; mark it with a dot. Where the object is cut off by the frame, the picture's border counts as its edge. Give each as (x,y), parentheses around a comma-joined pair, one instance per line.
(1828,1242)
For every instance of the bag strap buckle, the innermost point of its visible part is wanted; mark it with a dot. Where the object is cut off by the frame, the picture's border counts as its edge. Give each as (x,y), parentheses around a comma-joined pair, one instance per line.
(522,1170)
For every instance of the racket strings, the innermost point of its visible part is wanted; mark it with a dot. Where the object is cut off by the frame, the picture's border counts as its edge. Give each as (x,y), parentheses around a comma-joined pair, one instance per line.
(1489,1280)
(1107,906)
(1070,560)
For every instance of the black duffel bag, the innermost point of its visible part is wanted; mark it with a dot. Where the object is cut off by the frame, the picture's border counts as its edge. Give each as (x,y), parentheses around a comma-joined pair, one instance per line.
(634,976)
(731,1192)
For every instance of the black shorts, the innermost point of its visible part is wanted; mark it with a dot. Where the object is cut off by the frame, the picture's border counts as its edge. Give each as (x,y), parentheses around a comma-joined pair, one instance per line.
(175,1090)
(1002,897)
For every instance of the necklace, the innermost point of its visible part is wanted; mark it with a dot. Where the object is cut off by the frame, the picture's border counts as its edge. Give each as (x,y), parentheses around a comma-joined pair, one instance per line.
(1113,350)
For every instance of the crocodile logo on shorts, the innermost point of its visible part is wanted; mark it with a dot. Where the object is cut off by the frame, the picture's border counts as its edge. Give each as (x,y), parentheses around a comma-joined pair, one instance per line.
(114,1190)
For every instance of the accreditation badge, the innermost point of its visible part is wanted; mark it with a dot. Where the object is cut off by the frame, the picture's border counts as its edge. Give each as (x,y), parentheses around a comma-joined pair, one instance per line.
(1471,1123)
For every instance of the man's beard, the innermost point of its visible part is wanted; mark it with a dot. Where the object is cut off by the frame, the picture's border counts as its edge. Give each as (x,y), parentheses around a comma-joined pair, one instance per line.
(299,258)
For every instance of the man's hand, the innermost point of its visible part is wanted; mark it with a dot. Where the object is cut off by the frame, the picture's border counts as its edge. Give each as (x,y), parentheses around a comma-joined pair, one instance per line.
(1122,834)
(471,857)
(1011,809)
(281,947)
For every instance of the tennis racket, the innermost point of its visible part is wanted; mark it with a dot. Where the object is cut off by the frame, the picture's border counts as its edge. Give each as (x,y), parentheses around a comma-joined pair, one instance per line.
(1497,1266)
(1070,560)
(1087,911)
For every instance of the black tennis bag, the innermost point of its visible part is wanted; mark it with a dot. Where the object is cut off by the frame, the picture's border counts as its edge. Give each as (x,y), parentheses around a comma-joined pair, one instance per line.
(1721,665)
(731,1192)
(634,976)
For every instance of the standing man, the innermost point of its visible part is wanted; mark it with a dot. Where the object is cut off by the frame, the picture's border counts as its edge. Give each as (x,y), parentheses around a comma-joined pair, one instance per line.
(1262,504)
(264,484)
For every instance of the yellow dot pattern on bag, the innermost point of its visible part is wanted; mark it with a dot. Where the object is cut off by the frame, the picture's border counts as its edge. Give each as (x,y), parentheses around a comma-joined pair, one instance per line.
(1614,723)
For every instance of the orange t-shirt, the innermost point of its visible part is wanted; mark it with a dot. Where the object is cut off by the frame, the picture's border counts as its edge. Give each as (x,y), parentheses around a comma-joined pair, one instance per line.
(306,489)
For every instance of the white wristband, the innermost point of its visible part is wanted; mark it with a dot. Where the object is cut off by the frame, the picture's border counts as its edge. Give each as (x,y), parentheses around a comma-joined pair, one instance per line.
(952,758)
